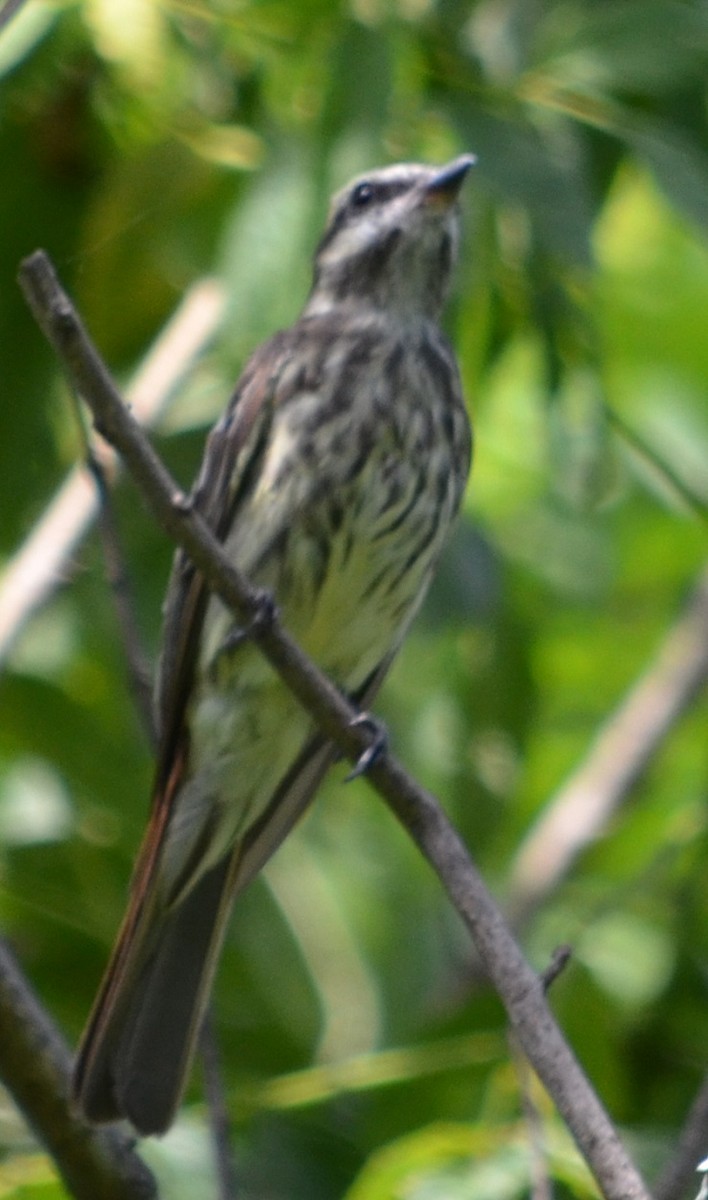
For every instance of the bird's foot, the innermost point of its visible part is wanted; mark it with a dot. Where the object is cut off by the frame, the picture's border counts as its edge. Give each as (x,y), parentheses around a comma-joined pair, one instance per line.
(377,746)
(265,613)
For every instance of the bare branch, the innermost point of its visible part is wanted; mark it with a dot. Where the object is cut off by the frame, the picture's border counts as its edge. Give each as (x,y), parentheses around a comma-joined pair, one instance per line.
(678,1179)
(419,812)
(219,1120)
(559,961)
(541,1185)
(138,669)
(34,1065)
(9,10)
(37,567)
(623,747)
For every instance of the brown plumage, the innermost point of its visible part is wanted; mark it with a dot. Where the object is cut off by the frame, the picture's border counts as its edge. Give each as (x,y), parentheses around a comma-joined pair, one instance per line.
(331,480)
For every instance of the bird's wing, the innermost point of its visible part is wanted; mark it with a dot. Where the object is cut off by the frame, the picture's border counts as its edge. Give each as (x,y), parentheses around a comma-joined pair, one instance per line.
(299,361)
(105,1059)
(232,452)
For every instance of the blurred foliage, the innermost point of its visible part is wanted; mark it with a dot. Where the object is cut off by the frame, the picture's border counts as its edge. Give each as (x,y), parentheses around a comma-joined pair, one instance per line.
(145,144)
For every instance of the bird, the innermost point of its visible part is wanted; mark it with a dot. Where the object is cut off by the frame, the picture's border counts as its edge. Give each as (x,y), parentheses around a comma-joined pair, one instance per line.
(331,482)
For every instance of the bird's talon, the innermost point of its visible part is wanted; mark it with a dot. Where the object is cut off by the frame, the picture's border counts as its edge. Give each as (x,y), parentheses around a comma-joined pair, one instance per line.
(183,503)
(264,614)
(233,640)
(377,746)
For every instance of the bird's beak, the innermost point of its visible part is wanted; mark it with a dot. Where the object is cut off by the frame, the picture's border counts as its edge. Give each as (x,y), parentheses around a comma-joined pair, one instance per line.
(442,190)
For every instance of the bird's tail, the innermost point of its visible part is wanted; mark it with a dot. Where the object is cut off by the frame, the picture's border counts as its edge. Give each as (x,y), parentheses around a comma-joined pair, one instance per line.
(138,1045)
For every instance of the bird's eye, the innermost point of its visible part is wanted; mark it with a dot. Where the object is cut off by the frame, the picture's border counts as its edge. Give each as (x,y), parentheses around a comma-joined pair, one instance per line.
(362,195)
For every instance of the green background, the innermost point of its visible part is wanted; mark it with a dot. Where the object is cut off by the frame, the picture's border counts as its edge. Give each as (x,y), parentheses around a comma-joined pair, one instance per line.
(146,144)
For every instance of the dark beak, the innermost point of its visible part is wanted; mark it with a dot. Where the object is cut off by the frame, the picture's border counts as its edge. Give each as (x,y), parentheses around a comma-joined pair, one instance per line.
(445,185)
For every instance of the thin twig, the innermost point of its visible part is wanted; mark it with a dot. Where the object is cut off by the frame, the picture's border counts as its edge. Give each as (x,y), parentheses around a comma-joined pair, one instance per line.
(95,454)
(659,465)
(541,1187)
(34,1066)
(559,961)
(219,1117)
(9,10)
(419,812)
(627,741)
(138,670)
(678,1178)
(40,564)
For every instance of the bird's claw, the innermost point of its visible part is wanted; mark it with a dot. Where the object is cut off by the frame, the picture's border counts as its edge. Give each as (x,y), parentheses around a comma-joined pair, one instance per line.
(264,614)
(377,746)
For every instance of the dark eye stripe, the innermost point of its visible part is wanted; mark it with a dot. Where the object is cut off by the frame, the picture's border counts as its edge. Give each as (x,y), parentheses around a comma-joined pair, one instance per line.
(362,197)
(367,193)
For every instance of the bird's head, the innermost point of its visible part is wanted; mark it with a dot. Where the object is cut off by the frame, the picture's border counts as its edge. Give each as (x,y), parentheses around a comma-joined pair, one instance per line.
(391,240)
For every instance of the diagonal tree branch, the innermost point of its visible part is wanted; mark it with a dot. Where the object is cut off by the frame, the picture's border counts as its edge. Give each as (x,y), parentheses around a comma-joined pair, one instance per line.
(678,1178)
(625,744)
(218,1110)
(9,10)
(37,567)
(34,1064)
(518,985)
